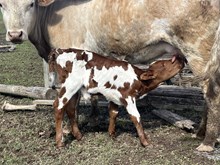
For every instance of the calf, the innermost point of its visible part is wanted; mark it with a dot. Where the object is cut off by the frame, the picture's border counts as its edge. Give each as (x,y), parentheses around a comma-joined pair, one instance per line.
(120,82)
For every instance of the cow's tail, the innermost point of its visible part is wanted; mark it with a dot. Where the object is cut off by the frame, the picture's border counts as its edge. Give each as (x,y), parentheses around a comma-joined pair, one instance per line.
(212,70)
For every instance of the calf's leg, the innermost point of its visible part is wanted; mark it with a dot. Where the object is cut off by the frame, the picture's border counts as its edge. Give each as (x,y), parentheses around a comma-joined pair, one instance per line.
(135,118)
(71,110)
(59,113)
(113,112)
(140,131)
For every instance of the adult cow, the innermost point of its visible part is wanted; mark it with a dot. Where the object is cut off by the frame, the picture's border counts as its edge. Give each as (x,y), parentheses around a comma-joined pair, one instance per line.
(135,30)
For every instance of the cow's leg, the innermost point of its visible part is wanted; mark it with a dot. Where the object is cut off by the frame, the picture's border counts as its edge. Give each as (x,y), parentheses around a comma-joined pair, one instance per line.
(59,113)
(212,127)
(135,118)
(113,112)
(211,89)
(71,110)
(202,128)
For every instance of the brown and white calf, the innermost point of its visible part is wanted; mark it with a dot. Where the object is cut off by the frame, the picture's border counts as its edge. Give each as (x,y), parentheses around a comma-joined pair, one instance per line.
(120,82)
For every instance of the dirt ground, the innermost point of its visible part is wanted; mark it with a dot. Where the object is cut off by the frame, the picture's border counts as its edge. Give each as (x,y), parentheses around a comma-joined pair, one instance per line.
(29,137)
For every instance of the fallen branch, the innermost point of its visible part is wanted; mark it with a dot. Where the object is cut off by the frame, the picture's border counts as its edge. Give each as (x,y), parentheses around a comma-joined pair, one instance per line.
(10,107)
(176,120)
(7,48)
(33,92)
(43,102)
(82,102)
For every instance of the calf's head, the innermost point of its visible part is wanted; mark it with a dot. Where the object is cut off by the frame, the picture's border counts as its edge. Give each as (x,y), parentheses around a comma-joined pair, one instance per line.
(162,70)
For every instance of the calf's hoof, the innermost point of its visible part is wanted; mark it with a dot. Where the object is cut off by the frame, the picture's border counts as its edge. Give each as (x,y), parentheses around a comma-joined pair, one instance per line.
(144,144)
(143,140)
(204,148)
(78,136)
(112,135)
(60,145)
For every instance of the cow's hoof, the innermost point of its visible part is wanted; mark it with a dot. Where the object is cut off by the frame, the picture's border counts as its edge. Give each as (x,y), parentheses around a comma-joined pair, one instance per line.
(204,148)
(195,136)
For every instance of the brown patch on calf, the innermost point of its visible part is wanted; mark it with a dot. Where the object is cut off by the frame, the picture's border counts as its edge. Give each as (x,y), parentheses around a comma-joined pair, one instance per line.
(128,90)
(123,101)
(82,56)
(62,73)
(107,85)
(92,82)
(69,66)
(52,60)
(64,100)
(60,51)
(113,87)
(62,92)
(56,103)
(115,77)
(126,87)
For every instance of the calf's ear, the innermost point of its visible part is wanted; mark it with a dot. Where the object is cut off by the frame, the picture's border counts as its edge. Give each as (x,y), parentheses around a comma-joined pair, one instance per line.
(148,75)
(45,2)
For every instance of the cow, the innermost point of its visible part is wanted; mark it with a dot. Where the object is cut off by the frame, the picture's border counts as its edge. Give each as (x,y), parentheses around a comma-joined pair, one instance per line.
(138,31)
(120,82)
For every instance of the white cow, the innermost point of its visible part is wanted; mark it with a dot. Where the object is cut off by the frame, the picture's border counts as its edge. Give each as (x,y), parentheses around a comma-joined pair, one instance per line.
(135,30)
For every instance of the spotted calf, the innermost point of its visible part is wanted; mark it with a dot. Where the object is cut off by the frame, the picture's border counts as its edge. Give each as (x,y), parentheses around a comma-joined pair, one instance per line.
(120,82)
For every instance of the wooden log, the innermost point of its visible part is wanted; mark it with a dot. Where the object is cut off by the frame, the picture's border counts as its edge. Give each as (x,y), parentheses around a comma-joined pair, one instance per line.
(10,107)
(177,91)
(164,97)
(175,103)
(176,120)
(33,92)
(175,98)
(7,48)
